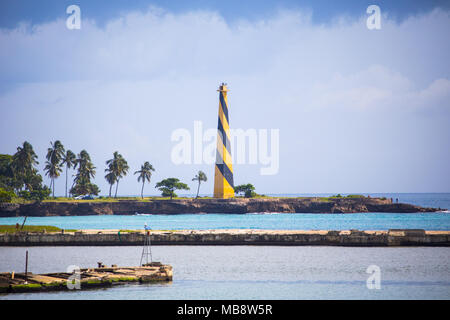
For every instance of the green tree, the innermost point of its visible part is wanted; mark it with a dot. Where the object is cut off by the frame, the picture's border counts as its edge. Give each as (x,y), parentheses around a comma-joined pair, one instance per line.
(54,157)
(37,195)
(247,189)
(25,158)
(86,171)
(119,166)
(145,174)
(169,185)
(7,180)
(200,176)
(69,160)
(6,195)
(18,172)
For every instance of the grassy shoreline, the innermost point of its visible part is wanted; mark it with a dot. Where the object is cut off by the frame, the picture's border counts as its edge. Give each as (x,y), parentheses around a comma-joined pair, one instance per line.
(28,228)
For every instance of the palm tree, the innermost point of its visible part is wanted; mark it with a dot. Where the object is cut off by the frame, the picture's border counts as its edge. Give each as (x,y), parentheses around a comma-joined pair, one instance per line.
(119,166)
(53,171)
(111,178)
(23,163)
(25,158)
(121,172)
(54,156)
(145,174)
(68,159)
(55,152)
(200,176)
(86,169)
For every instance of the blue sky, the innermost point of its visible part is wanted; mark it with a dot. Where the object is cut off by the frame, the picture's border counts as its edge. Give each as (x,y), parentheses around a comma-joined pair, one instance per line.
(14,11)
(358,110)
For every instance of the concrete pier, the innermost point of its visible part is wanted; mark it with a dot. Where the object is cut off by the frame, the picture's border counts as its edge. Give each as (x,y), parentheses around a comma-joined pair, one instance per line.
(86,278)
(393,237)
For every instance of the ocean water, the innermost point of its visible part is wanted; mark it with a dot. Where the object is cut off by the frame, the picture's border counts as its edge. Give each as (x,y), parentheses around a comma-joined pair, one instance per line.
(434,200)
(361,221)
(252,272)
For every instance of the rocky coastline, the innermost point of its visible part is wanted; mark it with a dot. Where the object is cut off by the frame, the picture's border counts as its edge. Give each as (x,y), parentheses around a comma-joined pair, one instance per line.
(189,206)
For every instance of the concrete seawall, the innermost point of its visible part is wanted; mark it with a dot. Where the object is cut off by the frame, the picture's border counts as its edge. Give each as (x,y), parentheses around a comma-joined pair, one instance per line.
(233,237)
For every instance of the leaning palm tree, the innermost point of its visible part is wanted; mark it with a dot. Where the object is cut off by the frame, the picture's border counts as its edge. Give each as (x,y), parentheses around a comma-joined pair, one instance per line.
(119,166)
(145,174)
(54,157)
(68,159)
(200,176)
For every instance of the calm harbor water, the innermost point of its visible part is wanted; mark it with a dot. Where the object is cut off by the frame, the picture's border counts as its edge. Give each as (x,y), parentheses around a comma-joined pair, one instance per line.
(361,221)
(252,272)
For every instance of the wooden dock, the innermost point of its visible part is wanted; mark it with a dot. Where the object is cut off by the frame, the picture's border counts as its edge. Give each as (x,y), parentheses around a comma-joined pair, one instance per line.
(103,276)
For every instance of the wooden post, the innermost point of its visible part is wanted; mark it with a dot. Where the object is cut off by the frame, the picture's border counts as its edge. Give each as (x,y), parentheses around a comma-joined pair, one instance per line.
(26,266)
(21,228)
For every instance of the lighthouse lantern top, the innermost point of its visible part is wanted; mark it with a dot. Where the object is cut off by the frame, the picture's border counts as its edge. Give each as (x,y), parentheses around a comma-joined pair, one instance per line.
(223,87)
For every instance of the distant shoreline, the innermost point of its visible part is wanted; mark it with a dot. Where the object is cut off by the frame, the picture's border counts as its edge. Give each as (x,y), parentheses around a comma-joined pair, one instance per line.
(332,205)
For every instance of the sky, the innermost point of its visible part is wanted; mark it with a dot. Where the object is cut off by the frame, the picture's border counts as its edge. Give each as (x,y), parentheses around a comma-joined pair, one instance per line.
(357,110)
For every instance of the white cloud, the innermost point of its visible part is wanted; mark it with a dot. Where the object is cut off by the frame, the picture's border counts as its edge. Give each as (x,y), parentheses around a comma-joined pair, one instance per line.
(381,89)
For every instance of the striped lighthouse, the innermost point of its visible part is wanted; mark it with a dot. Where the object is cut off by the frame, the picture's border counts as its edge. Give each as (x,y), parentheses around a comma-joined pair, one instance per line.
(223,176)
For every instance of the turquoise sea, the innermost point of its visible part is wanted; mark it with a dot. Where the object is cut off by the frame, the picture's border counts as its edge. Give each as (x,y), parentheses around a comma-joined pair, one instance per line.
(361,221)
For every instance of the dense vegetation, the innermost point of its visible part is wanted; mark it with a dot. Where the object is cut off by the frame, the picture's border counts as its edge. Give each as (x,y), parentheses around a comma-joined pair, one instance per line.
(248,190)
(21,181)
(19,176)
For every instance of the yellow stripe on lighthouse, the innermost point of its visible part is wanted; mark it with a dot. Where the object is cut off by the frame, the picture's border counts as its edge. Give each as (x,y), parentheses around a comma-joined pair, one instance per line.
(223,176)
